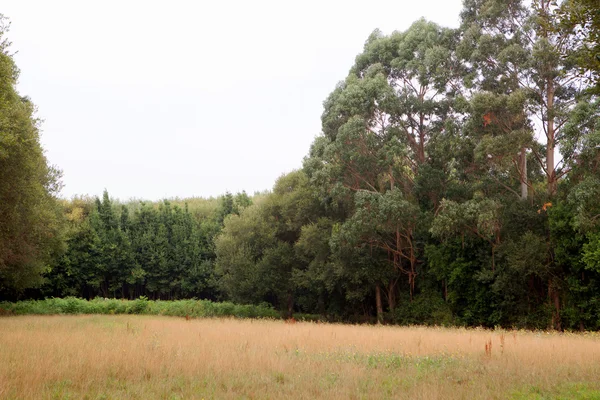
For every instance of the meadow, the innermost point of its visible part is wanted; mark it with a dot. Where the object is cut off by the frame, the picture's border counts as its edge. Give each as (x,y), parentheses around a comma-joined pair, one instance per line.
(147,357)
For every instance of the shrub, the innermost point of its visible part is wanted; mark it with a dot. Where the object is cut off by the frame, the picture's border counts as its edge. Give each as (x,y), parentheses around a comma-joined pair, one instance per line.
(428,308)
(138,306)
(177,308)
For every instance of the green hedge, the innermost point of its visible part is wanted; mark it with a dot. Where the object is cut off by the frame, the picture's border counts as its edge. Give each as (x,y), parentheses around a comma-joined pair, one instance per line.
(179,308)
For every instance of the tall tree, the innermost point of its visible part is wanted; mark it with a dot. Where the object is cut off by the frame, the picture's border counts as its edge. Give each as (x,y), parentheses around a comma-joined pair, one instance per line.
(580,20)
(30,227)
(510,46)
(378,125)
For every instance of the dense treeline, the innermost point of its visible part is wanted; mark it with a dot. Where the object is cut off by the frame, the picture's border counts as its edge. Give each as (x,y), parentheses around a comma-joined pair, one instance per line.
(161,251)
(455,182)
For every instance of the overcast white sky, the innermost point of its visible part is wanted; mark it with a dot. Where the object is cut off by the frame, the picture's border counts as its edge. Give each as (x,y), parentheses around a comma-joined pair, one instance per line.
(154,99)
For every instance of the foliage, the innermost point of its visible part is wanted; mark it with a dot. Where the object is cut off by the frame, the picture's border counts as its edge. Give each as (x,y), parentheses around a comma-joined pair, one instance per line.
(177,308)
(30,216)
(455,182)
(157,250)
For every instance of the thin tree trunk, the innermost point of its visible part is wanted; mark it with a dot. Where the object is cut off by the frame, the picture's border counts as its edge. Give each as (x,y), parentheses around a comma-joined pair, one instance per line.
(392,295)
(550,139)
(445,290)
(554,301)
(321,306)
(524,187)
(413,272)
(290,305)
(378,302)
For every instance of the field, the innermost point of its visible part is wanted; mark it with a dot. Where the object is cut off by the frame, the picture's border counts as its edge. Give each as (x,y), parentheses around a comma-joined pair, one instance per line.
(144,357)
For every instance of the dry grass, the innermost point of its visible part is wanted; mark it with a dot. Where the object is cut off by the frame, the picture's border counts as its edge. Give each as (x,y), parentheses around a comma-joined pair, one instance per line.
(142,357)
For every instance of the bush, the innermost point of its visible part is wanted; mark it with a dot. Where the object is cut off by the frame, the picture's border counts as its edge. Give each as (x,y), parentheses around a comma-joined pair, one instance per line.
(138,306)
(427,308)
(176,308)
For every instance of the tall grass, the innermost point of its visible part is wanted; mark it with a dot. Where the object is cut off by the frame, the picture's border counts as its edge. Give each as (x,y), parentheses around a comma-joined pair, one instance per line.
(147,357)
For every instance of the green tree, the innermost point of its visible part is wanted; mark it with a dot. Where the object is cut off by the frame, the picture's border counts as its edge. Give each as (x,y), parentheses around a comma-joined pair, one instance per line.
(379,125)
(511,46)
(71,272)
(31,223)
(240,249)
(255,251)
(580,21)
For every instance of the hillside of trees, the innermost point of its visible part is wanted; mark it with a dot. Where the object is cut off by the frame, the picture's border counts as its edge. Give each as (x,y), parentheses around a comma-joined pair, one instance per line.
(455,181)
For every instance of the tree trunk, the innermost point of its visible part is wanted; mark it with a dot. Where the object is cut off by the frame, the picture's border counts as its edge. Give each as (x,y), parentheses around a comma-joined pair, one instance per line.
(554,301)
(445,290)
(392,295)
(378,302)
(557,323)
(321,305)
(550,139)
(524,174)
(412,276)
(290,305)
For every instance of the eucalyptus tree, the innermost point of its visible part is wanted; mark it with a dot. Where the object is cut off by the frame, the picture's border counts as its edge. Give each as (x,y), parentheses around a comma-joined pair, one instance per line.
(377,128)
(580,20)
(576,223)
(516,46)
(528,96)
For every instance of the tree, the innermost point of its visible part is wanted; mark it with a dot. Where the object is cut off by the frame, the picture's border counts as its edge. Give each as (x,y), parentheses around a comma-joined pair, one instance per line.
(527,53)
(378,126)
(509,47)
(255,251)
(240,249)
(71,272)
(580,20)
(31,223)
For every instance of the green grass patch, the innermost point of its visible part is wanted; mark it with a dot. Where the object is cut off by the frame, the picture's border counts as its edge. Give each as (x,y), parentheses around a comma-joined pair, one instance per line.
(384,360)
(568,391)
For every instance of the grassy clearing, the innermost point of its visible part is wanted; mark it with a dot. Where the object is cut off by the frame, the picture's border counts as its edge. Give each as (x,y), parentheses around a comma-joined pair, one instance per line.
(141,357)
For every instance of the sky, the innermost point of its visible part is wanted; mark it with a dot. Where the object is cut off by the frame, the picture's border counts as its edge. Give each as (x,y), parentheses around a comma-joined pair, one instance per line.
(163,99)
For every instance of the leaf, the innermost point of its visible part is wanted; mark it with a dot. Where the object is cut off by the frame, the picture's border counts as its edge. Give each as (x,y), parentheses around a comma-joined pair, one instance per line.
(487,119)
